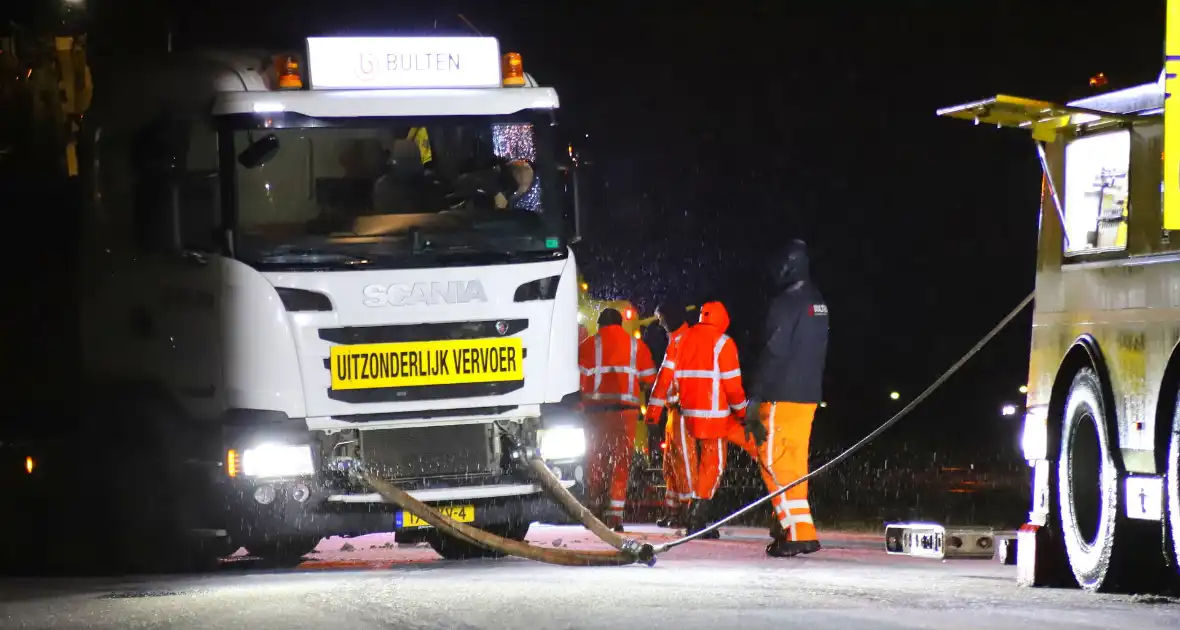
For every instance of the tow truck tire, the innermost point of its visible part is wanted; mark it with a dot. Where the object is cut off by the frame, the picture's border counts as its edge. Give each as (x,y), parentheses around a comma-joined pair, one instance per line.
(284,551)
(453,549)
(1173,487)
(1089,489)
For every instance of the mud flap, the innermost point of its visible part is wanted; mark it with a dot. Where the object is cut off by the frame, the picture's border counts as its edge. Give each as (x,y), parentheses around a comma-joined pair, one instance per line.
(1040,558)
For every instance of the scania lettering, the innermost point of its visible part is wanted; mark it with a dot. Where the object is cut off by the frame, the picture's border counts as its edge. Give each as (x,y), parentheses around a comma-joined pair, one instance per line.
(456,292)
(1102,430)
(301,197)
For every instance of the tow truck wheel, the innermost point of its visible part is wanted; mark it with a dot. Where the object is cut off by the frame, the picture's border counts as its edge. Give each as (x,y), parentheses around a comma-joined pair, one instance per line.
(454,549)
(1089,489)
(283,551)
(1173,486)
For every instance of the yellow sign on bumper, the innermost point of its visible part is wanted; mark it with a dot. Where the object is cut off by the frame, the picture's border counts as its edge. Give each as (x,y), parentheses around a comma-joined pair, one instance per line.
(413,364)
(457,513)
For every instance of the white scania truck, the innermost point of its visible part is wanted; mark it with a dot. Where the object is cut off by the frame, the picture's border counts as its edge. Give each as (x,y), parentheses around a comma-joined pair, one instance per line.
(298,263)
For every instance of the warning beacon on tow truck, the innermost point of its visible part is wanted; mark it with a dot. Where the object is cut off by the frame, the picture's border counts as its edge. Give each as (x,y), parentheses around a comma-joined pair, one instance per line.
(357,255)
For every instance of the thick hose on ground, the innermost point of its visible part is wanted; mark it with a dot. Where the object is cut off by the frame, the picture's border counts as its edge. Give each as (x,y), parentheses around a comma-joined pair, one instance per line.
(867,439)
(643,552)
(472,535)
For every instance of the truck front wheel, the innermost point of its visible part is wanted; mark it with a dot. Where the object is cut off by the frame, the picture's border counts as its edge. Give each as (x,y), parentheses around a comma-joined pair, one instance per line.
(1173,487)
(454,549)
(1089,489)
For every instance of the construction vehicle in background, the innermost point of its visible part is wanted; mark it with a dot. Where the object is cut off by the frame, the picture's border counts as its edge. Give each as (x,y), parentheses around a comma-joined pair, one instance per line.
(589,309)
(646,488)
(1102,429)
(45,89)
(297,264)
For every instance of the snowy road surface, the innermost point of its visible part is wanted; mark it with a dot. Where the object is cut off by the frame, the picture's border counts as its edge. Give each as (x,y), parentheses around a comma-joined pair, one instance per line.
(372,583)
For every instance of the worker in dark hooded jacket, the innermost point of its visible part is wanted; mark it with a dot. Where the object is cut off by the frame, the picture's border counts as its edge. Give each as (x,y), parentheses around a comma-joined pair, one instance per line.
(784,392)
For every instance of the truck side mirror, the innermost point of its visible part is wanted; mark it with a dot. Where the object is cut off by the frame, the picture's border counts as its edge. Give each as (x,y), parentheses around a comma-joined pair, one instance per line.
(574,207)
(259,152)
(198,211)
(155,212)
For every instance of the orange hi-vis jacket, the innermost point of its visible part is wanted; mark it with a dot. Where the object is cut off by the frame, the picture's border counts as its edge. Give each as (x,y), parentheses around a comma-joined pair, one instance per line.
(614,367)
(708,375)
(664,394)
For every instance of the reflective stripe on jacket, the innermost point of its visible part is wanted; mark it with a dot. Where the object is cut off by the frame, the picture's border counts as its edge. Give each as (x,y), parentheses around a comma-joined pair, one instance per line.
(615,367)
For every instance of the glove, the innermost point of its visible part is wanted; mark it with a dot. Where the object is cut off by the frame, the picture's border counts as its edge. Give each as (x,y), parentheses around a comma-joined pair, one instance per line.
(752,424)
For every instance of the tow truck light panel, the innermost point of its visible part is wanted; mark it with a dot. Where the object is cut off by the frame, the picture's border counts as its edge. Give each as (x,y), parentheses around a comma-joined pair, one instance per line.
(1035,439)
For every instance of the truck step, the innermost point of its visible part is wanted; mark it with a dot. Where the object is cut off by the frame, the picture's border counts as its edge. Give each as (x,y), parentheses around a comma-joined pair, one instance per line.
(930,540)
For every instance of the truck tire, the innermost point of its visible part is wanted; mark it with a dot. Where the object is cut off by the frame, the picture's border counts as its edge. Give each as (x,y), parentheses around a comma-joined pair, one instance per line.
(454,549)
(1173,487)
(286,551)
(1088,487)
(149,481)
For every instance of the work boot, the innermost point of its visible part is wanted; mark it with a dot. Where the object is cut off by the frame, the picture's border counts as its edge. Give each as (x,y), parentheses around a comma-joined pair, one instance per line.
(672,519)
(615,523)
(698,520)
(780,548)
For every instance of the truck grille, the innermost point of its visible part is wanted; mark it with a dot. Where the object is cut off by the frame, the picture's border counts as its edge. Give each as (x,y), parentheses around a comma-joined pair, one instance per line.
(430,451)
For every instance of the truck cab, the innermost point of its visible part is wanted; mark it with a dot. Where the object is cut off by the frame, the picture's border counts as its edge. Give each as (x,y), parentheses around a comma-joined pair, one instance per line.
(356,256)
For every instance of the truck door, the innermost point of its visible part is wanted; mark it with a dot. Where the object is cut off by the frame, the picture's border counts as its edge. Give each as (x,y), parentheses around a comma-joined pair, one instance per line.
(178,211)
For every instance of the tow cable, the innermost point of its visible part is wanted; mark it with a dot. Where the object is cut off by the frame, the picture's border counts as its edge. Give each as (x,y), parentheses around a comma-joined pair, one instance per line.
(626,550)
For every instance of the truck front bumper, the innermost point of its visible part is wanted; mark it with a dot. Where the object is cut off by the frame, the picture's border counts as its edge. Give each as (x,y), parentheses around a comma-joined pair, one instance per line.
(269,509)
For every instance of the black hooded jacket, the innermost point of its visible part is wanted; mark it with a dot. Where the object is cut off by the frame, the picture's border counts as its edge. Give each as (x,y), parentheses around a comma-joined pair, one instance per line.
(791,363)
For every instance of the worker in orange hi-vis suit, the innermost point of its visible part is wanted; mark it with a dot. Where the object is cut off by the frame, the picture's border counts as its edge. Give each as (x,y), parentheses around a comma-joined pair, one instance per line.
(677,471)
(785,390)
(615,369)
(712,401)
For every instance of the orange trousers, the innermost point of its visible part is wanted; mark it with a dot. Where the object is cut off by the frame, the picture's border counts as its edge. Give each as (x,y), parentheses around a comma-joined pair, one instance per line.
(611,444)
(677,471)
(782,459)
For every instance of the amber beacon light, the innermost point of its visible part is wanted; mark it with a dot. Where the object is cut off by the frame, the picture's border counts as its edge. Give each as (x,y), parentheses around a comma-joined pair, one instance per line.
(513,69)
(289,78)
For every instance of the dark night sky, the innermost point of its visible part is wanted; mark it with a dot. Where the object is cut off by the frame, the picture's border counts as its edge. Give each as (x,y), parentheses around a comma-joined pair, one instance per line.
(719,130)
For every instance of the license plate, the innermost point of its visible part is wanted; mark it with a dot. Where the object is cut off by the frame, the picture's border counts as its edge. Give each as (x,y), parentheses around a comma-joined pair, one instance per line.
(458,513)
(418,363)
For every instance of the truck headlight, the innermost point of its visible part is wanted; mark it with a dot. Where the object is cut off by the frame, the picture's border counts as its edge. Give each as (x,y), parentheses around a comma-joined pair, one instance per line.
(561,442)
(277,460)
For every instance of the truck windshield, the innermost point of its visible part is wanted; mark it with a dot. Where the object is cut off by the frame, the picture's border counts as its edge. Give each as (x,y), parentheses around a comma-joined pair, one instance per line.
(390,192)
